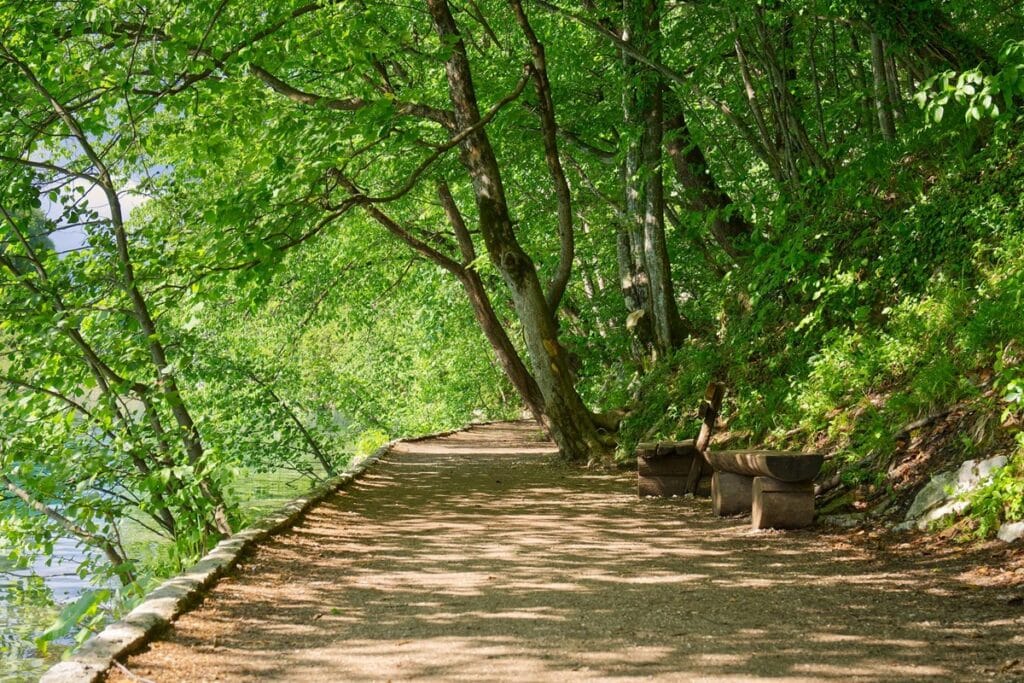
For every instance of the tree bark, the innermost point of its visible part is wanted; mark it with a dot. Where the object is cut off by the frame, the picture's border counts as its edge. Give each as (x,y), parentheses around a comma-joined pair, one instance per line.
(866,117)
(480,302)
(650,279)
(668,326)
(883,106)
(571,424)
(549,133)
(702,192)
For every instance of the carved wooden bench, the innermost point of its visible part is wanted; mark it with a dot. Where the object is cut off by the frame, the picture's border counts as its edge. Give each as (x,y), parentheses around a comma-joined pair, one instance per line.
(776,487)
(675,468)
(663,469)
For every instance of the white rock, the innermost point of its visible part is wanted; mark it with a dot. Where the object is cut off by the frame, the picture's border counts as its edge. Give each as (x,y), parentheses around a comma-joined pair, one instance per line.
(932,495)
(973,473)
(1011,531)
(943,495)
(933,515)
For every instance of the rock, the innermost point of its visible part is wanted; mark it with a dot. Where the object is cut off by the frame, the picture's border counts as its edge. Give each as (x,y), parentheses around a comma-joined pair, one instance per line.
(951,507)
(1011,531)
(932,495)
(844,521)
(879,509)
(973,473)
(943,495)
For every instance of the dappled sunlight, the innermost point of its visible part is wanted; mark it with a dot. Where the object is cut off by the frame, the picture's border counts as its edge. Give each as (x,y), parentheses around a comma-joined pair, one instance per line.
(446,563)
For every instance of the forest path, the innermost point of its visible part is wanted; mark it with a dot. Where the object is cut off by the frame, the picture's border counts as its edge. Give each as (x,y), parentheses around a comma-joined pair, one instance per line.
(478,556)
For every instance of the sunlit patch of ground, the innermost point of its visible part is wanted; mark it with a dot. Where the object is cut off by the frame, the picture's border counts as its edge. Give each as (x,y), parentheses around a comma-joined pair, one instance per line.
(479,557)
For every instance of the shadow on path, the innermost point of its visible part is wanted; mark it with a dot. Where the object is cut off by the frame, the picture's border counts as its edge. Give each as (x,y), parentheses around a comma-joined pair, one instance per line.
(479,557)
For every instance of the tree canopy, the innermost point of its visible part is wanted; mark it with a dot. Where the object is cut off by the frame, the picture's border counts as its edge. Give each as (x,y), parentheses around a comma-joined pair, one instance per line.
(311,226)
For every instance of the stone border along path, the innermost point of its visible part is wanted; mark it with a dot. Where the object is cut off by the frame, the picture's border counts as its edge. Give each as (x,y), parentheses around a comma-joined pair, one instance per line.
(175,596)
(481,556)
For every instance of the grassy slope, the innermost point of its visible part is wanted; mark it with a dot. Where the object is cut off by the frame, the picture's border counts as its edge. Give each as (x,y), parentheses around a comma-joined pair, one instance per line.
(894,299)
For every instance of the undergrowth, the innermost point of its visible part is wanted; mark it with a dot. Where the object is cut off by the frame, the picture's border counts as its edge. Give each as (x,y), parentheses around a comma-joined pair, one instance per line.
(871,310)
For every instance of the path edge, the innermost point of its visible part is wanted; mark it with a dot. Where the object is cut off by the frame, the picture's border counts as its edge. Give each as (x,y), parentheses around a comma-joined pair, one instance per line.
(181,593)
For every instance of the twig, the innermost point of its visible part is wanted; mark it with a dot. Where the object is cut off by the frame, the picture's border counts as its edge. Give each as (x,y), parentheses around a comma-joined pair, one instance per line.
(904,432)
(829,484)
(127,672)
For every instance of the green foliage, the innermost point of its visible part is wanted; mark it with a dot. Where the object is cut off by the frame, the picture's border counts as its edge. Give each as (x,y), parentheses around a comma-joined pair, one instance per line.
(369,441)
(253,325)
(979,95)
(83,616)
(663,413)
(1002,499)
(855,328)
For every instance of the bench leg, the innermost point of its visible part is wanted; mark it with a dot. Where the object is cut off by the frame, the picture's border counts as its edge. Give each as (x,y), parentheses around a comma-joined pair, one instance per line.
(731,493)
(781,505)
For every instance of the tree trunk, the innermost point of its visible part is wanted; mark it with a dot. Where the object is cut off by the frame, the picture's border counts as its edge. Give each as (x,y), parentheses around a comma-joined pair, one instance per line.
(882,104)
(549,134)
(790,129)
(651,279)
(924,30)
(103,376)
(571,424)
(812,49)
(668,326)
(868,101)
(504,350)
(702,192)
(169,388)
(770,152)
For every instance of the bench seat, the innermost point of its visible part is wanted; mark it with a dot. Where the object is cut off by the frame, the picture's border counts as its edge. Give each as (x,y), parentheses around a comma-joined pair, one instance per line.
(663,469)
(782,465)
(775,487)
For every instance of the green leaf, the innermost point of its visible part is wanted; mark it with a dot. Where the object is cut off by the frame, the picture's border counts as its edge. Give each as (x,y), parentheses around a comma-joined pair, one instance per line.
(72,615)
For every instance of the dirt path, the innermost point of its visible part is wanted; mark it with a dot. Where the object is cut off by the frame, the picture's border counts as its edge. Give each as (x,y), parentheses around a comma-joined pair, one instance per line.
(478,557)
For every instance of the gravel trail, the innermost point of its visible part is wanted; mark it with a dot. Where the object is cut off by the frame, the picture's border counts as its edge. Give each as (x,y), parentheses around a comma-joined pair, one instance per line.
(479,557)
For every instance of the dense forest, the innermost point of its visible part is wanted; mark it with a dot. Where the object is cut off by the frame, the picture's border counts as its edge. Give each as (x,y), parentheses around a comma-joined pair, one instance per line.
(257,236)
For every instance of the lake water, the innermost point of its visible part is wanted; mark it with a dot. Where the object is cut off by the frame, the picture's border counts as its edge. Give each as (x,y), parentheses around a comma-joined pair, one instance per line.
(30,599)
(28,605)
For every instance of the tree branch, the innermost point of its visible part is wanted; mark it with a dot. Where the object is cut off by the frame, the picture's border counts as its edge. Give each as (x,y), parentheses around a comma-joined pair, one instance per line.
(452,142)
(97,541)
(281,87)
(549,128)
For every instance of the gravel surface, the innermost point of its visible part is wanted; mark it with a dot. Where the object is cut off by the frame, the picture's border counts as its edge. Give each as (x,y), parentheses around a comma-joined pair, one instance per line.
(479,556)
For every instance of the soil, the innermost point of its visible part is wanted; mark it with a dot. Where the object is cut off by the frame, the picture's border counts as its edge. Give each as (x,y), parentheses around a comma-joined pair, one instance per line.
(479,556)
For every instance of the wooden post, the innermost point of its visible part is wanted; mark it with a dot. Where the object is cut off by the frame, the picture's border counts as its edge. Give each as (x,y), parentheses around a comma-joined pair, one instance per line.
(708,412)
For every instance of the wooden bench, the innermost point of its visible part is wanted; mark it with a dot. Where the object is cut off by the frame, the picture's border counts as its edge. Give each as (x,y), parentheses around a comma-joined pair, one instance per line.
(663,469)
(676,468)
(776,487)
